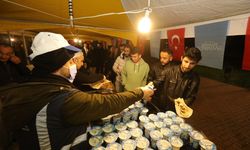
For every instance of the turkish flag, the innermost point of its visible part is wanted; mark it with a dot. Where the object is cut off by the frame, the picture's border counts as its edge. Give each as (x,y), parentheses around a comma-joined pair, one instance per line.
(246,57)
(176,42)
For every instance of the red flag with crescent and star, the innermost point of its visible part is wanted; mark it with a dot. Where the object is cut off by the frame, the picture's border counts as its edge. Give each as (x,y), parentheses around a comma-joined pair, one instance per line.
(246,56)
(176,42)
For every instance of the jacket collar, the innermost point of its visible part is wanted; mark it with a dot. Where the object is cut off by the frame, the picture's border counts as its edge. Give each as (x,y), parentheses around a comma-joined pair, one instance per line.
(51,78)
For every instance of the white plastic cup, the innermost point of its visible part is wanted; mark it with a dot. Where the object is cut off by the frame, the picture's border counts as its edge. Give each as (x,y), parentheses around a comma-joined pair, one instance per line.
(142,143)
(176,129)
(166,132)
(163,145)
(136,133)
(113,146)
(195,138)
(206,144)
(96,141)
(155,135)
(143,120)
(95,131)
(110,138)
(129,144)
(153,117)
(148,127)
(124,135)
(108,128)
(176,142)
(132,124)
(170,114)
(120,126)
(144,111)
(168,122)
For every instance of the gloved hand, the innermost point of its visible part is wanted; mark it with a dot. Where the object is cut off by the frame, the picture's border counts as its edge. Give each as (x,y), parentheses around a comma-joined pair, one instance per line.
(148,92)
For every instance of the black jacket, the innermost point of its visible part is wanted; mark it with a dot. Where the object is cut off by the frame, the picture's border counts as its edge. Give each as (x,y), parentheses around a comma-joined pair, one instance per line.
(174,84)
(10,72)
(22,102)
(156,70)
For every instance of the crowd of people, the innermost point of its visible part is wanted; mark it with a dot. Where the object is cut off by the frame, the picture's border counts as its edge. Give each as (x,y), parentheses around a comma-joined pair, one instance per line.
(50,108)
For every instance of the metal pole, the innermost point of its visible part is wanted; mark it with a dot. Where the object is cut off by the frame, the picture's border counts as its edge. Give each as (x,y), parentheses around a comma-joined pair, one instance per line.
(25,50)
(71,18)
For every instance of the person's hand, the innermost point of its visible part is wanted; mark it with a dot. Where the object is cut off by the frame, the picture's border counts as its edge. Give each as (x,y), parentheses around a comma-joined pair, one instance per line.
(15,59)
(151,85)
(147,93)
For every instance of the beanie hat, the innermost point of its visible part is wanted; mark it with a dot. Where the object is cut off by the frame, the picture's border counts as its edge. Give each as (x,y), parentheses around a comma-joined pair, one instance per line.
(51,51)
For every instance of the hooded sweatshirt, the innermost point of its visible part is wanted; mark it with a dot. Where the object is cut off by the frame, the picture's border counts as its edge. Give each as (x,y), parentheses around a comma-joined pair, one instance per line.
(134,74)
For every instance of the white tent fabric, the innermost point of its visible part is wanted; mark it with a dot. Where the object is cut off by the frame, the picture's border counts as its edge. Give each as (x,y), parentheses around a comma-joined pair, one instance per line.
(169,13)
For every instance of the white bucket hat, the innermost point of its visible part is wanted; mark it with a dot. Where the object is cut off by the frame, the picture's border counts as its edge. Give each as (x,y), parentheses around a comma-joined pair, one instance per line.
(45,42)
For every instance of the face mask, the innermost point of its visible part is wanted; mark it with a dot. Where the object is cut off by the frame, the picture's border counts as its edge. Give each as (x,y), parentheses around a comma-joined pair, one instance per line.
(72,71)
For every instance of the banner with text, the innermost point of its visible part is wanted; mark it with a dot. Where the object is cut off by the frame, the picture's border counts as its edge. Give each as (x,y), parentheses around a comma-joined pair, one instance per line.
(155,43)
(176,42)
(246,57)
(211,40)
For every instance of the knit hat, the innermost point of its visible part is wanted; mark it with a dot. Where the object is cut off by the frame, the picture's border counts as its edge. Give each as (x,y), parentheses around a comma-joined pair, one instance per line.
(51,51)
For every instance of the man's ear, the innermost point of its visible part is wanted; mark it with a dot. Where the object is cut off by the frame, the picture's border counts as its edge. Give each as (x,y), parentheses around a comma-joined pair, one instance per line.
(181,58)
(171,58)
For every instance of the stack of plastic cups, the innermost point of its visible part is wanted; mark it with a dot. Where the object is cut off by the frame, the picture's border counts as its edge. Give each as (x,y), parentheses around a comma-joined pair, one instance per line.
(163,145)
(139,106)
(98,148)
(129,144)
(186,129)
(155,135)
(110,138)
(124,135)
(178,120)
(96,131)
(116,118)
(95,141)
(143,120)
(120,126)
(107,120)
(159,124)
(176,142)
(148,127)
(132,124)
(195,138)
(170,114)
(108,128)
(176,129)
(142,143)
(113,146)
(144,111)
(134,114)
(168,122)
(167,133)
(153,117)
(136,133)
(126,115)
(205,144)
(162,115)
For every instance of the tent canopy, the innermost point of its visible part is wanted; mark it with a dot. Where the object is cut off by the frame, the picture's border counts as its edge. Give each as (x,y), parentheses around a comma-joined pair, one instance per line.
(53,15)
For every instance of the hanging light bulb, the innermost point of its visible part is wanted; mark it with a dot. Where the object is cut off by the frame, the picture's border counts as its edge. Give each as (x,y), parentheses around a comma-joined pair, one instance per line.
(75,40)
(144,25)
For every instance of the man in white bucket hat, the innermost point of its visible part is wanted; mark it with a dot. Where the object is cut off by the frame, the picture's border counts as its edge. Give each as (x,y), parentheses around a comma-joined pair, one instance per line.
(48,112)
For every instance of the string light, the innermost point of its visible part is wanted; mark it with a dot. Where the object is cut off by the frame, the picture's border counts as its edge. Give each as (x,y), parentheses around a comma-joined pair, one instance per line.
(144,25)
(12,39)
